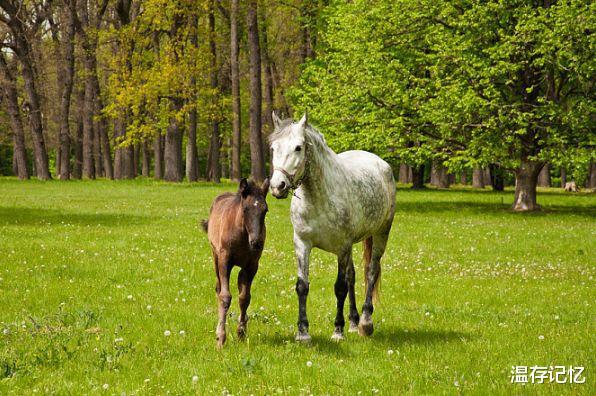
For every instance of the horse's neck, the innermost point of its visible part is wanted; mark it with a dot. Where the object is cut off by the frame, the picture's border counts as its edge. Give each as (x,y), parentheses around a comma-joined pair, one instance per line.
(324,172)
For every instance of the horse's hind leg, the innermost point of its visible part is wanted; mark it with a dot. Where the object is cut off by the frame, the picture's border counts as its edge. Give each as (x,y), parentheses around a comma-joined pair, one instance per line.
(224,298)
(245,278)
(341,291)
(379,242)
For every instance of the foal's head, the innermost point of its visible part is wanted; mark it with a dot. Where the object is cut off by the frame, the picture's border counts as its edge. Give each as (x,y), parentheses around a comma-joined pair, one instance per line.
(254,208)
(288,155)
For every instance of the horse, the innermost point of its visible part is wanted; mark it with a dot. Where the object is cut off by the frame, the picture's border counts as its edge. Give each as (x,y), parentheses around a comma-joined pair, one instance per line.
(338,200)
(236,231)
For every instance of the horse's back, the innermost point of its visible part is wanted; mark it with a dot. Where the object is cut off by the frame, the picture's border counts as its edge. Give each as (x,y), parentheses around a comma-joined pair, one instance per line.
(223,210)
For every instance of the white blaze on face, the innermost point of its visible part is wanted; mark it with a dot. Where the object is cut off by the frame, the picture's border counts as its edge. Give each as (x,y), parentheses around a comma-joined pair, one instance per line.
(288,154)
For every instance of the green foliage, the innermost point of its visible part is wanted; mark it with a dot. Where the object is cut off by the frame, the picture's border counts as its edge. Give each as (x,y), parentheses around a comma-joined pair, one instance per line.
(461,82)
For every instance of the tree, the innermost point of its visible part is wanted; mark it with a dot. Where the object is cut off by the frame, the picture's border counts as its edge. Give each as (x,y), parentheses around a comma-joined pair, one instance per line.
(10,99)
(23,23)
(257,158)
(474,83)
(236,107)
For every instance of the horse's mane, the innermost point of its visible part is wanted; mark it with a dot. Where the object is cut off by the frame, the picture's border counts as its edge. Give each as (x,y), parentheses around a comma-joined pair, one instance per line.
(285,128)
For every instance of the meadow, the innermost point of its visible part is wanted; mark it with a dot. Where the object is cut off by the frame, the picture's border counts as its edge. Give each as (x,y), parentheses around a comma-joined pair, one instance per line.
(108,287)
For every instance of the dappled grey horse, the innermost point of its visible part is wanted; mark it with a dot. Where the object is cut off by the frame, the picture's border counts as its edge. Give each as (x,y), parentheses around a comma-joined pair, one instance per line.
(339,200)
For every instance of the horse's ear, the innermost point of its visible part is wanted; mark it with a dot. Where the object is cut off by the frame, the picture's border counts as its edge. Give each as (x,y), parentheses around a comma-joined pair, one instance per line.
(276,119)
(304,120)
(243,187)
(265,187)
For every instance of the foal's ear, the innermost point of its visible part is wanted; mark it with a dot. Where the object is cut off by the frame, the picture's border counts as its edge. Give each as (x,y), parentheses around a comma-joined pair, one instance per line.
(243,187)
(276,119)
(265,186)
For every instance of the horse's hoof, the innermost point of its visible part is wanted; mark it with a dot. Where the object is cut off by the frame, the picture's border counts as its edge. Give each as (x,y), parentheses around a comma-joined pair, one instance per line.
(304,338)
(241,333)
(337,337)
(353,328)
(365,329)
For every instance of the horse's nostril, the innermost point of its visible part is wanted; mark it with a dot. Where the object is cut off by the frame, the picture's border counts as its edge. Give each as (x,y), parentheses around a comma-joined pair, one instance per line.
(282,185)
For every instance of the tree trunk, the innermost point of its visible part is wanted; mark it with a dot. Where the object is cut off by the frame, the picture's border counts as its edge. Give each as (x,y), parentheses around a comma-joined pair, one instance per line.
(34,112)
(101,129)
(268,79)
(158,157)
(418,177)
(146,159)
(213,172)
(441,177)
(404,174)
(66,77)
(173,148)
(88,135)
(486,176)
(563,177)
(192,159)
(236,110)
(478,178)
(77,172)
(544,176)
(256,140)
(526,179)
(592,175)
(10,97)
(497,177)
(464,177)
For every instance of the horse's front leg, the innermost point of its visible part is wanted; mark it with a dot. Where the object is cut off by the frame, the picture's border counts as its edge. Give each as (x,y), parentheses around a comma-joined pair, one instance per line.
(224,298)
(353,315)
(302,249)
(245,278)
(341,291)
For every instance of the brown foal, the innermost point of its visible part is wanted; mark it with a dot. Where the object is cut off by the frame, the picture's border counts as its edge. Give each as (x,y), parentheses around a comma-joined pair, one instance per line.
(236,230)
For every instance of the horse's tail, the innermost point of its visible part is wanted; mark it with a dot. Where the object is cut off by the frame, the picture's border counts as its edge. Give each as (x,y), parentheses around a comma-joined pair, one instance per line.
(367,256)
(205,225)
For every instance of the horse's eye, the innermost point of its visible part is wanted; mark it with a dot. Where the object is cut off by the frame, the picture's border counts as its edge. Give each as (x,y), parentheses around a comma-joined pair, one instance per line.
(298,148)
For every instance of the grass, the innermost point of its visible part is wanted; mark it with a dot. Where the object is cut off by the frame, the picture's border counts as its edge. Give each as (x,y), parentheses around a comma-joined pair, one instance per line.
(93,273)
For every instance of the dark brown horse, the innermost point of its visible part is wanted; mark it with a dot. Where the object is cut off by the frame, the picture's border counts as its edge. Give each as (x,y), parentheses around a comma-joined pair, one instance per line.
(236,230)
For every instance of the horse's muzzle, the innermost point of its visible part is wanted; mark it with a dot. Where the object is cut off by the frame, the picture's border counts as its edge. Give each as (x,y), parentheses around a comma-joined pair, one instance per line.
(256,245)
(280,193)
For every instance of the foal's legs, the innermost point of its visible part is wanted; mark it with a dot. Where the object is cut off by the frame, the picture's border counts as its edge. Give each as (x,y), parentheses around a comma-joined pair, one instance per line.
(302,249)
(379,242)
(341,291)
(223,296)
(245,277)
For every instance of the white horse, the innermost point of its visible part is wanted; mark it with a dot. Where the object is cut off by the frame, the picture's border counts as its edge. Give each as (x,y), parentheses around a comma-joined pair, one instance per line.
(339,200)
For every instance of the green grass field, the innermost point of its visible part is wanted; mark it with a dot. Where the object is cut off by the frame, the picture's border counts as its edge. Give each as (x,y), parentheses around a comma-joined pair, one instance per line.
(93,275)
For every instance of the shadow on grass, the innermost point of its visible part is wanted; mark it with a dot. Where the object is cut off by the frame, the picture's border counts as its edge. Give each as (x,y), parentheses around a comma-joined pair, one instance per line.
(385,337)
(397,336)
(489,208)
(31,216)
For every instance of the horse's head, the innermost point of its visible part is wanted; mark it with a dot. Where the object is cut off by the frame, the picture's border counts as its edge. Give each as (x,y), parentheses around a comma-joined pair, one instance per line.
(288,155)
(254,209)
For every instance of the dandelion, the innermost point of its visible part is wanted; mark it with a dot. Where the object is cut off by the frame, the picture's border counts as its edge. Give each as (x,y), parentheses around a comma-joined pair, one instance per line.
(390,352)
(146,380)
(541,337)
(149,307)
(195,379)
(105,386)
(129,297)
(167,333)
(309,364)
(182,333)
(119,339)
(6,331)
